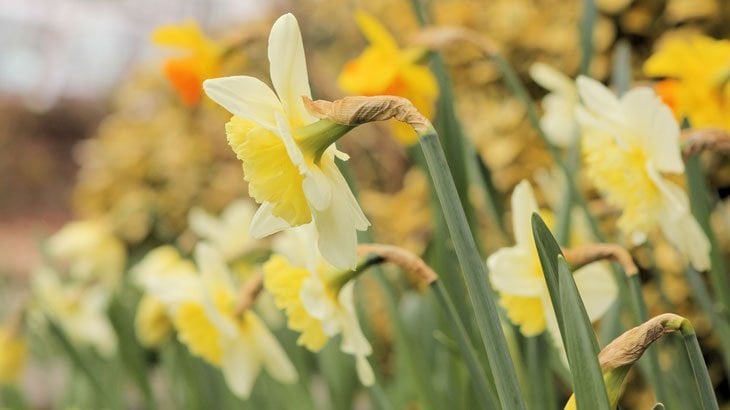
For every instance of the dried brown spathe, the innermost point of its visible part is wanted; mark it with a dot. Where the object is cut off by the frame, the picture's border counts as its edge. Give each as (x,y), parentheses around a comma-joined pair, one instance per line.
(360,110)
(583,255)
(401,258)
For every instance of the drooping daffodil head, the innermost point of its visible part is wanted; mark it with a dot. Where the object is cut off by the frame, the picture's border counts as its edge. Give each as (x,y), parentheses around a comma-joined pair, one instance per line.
(383,68)
(517,276)
(204,306)
(288,155)
(200,59)
(630,146)
(317,298)
(558,121)
(697,78)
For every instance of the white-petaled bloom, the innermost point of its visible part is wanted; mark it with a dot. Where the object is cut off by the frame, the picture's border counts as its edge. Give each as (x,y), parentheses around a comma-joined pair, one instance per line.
(558,120)
(515,273)
(289,155)
(89,250)
(229,233)
(80,309)
(317,297)
(629,146)
(205,313)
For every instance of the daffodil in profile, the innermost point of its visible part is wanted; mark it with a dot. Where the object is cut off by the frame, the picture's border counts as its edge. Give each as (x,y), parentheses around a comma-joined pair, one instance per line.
(200,59)
(289,155)
(317,298)
(631,147)
(558,121)
(516,274)
(383,68)
(210,320)
(696,83)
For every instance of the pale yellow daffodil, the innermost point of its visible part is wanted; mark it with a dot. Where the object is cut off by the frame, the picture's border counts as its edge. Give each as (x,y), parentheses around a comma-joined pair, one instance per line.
(385,69)
(89,250)
(229,232)
(629,144)
(558,121)
(515,273)
(698,79)
(80,309)
(288,155)
(200,62)
(205,314)
(317,298)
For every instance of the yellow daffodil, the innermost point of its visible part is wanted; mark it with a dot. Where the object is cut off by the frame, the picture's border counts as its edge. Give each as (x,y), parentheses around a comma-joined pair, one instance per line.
(206,316)
(698,79)
(558,120)
(385,69)
(89,250)
(201,61)
(12,355)
(629,145)
(317,298)
(229,233)
(78,308)
(288,155)
(515,273)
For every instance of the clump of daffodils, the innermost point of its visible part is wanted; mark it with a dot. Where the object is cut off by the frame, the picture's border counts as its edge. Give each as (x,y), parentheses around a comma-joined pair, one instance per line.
(516,274)
(696,83)
(317,298)
(631,150)
(288,155)
(206,309)
(383,68)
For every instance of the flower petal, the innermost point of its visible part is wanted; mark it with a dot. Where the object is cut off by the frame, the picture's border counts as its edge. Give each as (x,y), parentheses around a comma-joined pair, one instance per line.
(597,289)
(245,97)
(276,362)
(511,272)
(264,223)
(523,205)
(289,69)
(599,99)
(240,365)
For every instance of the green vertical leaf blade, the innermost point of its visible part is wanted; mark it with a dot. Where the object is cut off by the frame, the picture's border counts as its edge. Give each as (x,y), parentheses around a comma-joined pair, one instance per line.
(580,344)
(548,251)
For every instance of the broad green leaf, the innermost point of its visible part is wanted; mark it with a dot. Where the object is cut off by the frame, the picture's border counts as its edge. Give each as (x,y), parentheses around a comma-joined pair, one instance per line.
(580,344)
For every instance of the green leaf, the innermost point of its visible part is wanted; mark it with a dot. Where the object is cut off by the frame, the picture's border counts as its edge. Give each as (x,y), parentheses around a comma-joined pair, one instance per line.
(580,344)
(548,251)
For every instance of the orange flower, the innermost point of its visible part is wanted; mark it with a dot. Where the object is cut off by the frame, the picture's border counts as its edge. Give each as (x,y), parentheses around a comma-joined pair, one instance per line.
(200,61)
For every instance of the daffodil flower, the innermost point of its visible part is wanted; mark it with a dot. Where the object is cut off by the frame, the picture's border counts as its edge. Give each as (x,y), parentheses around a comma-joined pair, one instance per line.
(697,84)
(385,69)
(205,314)
(201,61)
(227,233)
(78,308)
(288,155)
(88,250)
(629,145)
(317,298)
(13,351)
(558,121)
(515,273)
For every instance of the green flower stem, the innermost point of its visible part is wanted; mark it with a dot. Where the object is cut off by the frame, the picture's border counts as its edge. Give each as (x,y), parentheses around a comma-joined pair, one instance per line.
(474,272)
(542,393)
(699,201)
(484,388)
(587,21)
(702,378)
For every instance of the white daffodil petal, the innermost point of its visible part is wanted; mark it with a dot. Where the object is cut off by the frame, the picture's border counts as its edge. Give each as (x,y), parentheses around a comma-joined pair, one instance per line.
(353,340)
(204,225)
(240,365)
(275,360)
(213,269)
(598,98)
(317,188)
(265,223)
(551,79)
(510,272)
(523,206)
(364,370)
(245,97)
(289,68)
(597,289)
(683,231)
